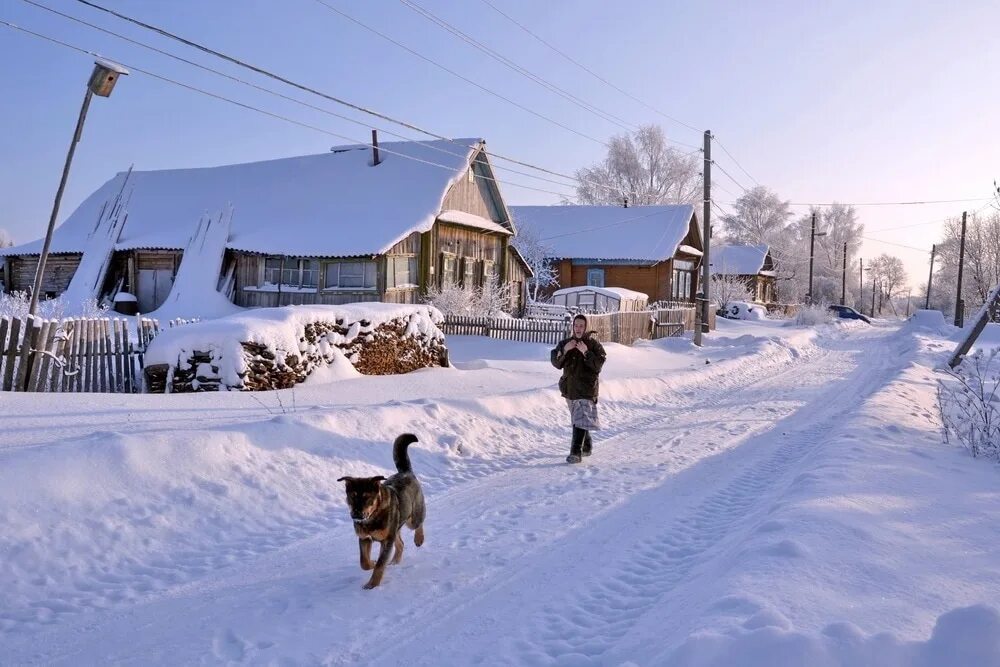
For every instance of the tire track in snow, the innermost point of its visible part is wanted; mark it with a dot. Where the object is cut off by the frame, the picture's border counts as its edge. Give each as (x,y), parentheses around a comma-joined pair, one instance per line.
(602,614)
(580,628)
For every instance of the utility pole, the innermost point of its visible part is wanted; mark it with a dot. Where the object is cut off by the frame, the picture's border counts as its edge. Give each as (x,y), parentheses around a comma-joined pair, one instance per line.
(843,279)
(812,245)
(812,242)
(873,294)
(959,304)
(930,279)
(861,283)
(101,83)
(907,304)
(701,327)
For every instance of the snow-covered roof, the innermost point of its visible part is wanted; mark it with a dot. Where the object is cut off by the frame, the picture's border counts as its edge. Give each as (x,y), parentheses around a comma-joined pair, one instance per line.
(331,204)
(619,293)
(738,260)
(650,233)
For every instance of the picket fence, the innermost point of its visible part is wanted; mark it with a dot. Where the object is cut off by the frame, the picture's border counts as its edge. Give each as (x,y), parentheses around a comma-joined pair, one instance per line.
(73,354)
(624,328)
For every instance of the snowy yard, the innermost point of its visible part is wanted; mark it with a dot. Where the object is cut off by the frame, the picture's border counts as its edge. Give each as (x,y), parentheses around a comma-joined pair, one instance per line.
(781,496)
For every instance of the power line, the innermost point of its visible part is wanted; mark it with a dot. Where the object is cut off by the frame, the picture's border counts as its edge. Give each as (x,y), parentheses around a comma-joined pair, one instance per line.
(453,73)
(301,102)
(880,203)
(282,79)
(507,62)
(731,157)
(587,69)
(901,245)
(250,107)
(730,176)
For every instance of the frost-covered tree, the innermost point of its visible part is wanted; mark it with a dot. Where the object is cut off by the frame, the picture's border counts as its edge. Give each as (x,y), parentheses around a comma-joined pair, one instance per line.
(890,277)
(535,251)
(643,168)
(982,262)
(729,289)
(759,217)
(6,240)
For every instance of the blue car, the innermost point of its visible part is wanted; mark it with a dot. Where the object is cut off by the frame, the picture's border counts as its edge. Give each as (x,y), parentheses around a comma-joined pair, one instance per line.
(848,313)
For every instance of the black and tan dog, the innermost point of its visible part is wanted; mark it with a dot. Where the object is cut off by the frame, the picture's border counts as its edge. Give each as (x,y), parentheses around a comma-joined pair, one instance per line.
(381,506)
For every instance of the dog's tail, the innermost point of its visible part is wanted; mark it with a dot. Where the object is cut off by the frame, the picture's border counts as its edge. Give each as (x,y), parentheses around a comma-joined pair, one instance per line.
(399,455)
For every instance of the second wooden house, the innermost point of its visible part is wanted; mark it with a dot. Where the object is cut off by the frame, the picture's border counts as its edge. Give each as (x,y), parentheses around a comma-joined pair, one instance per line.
(655,250)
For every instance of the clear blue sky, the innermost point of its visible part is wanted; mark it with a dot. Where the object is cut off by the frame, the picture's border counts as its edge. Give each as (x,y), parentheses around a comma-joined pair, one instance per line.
(849,101)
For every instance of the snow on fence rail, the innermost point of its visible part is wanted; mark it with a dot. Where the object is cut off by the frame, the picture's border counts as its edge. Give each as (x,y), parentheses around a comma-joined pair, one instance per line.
(73,354)
(507,328)
(624,328)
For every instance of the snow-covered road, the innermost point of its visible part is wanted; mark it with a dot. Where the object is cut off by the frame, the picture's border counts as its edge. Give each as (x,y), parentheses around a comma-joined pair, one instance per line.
(779,506)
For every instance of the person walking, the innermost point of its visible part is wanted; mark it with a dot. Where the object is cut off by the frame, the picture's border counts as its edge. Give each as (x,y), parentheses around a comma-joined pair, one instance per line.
(581,358)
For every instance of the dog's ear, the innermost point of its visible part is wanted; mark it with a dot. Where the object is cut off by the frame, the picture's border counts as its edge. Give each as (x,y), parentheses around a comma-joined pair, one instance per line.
(377,478)
(345,479)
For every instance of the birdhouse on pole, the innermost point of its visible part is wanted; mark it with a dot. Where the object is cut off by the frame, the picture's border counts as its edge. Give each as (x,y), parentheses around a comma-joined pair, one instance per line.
(104,77)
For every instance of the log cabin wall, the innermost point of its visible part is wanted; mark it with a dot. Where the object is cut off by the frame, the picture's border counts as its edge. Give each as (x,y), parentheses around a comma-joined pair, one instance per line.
(59,270)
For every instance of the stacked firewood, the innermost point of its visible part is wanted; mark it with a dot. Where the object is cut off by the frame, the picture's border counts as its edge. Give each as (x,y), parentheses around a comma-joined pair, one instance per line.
(391,347)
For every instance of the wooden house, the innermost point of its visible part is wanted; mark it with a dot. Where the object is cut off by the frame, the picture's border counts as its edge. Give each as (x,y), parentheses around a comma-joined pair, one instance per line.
(358,223)
(655,250)
(752,264)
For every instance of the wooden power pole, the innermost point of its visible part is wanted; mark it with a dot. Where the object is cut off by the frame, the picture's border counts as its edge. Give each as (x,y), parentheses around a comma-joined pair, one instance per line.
(843,279)
(701,324)
(930,279)
(959,304)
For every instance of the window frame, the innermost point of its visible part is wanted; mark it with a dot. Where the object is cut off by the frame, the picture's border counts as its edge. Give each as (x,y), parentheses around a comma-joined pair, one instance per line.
(336,266)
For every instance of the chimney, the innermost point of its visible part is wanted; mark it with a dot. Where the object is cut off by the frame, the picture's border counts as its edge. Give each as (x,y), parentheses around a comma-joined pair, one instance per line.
(375,148)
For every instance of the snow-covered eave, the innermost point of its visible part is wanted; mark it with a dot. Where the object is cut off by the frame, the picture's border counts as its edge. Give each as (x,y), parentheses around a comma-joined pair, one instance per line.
(688,250)
(610,261)
(473,221)
(426,223)
(326,255)
(13,252)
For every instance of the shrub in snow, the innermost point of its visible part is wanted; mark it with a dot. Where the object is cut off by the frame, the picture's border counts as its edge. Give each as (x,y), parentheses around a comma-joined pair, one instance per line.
(813,315)
(277,348)
(730,289)
(741,310)
(490,300)
(15,306)
(970,406)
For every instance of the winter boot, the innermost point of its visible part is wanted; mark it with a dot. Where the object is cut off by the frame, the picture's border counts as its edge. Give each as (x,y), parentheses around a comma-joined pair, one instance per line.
(576,446)
(588,444)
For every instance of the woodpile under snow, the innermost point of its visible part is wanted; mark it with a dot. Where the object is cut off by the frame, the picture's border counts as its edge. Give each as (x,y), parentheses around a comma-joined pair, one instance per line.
(277,348)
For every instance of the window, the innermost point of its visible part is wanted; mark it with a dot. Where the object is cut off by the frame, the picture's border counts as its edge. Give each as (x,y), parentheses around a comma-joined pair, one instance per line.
(448,262)
(472,175)
(350,275)
(401,271)
(681,288)
(489,272)
(291,271)
(468,272)
(595,277)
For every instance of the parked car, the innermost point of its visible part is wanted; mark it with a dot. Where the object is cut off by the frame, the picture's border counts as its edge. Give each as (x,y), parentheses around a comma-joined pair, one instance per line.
(848,313)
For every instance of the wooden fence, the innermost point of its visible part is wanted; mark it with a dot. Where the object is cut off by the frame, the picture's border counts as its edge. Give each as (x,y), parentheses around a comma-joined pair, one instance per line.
(624,328)
(73,355)
(507,328)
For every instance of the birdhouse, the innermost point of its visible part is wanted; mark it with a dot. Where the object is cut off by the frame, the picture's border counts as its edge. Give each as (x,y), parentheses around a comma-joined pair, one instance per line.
(103,79)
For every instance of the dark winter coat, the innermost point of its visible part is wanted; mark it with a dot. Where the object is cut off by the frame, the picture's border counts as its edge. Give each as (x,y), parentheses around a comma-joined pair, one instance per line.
(579,371)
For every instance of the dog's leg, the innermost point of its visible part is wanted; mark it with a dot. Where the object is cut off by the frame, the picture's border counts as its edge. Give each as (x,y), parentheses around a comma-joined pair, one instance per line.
(399,548)
(383,559)
(418,536)
(365,545)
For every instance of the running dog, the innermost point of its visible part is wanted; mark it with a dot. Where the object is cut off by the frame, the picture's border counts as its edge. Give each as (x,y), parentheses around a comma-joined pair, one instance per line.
(380,507)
